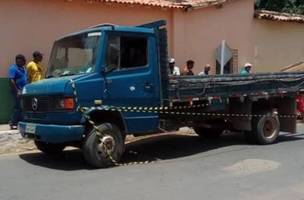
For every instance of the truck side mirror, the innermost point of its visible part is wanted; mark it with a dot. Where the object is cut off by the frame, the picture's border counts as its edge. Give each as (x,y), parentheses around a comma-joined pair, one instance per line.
(107,69)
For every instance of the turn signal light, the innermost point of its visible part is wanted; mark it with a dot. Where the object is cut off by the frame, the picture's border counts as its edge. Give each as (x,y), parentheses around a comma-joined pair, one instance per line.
(67,103)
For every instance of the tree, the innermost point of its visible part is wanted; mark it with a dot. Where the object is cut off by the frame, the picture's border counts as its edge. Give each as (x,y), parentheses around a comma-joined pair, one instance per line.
(289,6)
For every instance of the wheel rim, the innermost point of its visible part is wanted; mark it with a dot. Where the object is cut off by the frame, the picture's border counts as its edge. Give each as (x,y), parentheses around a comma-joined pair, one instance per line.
(106,145)
(269,129)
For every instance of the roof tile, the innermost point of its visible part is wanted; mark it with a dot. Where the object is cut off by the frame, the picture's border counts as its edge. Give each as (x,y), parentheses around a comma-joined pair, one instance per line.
(156,3)
(182,4)
(276,16)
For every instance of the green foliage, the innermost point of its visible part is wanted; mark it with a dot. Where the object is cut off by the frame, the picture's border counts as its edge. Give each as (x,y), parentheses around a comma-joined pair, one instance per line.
(289,6)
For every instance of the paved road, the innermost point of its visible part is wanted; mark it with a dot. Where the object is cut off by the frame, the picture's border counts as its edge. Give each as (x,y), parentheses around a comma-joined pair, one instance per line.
(185,168)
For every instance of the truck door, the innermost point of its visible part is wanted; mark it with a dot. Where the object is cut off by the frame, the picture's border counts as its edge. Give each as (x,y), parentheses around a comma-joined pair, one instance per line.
(133,77)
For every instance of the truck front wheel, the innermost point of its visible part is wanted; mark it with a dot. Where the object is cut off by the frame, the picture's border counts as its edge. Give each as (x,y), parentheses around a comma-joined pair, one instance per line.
(104,147)
(49,148)
(265,129)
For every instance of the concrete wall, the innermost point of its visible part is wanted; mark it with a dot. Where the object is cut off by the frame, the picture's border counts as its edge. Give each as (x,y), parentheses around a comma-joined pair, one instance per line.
(197,34)
(277,44)
(34,25)
(6,102)
(28,25)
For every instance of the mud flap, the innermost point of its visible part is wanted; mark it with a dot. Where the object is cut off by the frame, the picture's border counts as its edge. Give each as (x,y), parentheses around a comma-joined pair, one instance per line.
(240,123)
(287,106)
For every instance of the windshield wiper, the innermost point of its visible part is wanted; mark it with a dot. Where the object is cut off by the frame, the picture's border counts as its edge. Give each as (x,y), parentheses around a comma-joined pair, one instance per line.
(67,74)
(49,76)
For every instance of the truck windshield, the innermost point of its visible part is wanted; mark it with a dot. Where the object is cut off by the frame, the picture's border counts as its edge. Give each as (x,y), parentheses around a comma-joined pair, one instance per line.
(74,55)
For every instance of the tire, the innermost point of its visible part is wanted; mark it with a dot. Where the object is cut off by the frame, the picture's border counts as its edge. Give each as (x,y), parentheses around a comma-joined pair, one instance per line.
(49,148)
(92,151)
(208,133)
(265,129)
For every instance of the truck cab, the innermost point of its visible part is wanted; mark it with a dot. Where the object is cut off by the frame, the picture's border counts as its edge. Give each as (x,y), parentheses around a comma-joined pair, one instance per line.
(102,65)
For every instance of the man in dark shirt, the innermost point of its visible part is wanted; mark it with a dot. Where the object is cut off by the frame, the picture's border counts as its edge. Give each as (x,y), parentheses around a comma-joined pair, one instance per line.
(188,69)
(17,80)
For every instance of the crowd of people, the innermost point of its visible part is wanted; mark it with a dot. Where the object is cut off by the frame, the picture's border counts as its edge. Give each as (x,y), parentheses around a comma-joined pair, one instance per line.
(188,69)
(19,75)
(246,70)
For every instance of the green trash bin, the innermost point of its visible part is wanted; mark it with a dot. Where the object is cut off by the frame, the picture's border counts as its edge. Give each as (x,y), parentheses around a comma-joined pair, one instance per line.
(6,101)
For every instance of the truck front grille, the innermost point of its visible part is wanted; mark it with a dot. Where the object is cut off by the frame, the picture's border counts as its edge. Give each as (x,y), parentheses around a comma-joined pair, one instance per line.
(38,103)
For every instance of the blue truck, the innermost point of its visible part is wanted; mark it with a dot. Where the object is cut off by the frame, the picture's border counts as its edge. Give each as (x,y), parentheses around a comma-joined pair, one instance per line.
(109,81)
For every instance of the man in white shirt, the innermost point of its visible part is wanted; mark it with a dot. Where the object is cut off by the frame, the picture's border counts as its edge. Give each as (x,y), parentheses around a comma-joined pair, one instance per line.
(206,71)
(174,70)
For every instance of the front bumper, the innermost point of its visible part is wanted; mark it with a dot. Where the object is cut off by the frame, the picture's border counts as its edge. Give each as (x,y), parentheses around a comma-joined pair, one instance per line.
(51,133)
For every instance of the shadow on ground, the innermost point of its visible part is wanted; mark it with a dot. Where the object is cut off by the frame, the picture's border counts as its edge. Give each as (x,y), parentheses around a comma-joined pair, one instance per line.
(150,149)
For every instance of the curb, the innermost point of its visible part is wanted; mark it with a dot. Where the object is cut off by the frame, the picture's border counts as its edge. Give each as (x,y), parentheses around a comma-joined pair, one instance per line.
(9,132)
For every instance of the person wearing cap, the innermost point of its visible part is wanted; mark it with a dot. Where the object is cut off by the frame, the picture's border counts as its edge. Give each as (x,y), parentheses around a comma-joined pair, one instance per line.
(247,69)
(174,70)
(34,68)
(206,71)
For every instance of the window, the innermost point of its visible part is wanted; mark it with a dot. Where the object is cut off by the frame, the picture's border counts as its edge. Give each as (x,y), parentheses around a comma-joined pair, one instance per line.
(74,54)
(126,52)
(113,53)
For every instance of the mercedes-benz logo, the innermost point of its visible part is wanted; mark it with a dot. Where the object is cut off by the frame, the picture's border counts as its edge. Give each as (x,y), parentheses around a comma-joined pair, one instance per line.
(34,104)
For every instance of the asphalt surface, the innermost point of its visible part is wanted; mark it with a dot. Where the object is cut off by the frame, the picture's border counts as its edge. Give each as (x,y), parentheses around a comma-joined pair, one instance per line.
(185,168)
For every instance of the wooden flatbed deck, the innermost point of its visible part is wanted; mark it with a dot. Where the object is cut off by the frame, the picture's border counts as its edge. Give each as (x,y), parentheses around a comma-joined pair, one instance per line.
(272,84)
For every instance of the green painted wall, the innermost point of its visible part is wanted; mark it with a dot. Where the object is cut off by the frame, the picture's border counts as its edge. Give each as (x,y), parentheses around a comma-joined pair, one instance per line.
(6,102)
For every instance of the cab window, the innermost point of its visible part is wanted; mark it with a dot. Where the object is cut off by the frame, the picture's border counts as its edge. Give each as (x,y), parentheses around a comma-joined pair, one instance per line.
(124,52)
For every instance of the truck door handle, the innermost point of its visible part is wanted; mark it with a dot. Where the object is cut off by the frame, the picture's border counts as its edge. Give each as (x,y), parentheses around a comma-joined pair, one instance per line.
(148,86)
(108,81)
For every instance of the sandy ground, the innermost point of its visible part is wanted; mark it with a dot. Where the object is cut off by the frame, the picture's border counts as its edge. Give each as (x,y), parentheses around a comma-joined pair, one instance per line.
(12,142)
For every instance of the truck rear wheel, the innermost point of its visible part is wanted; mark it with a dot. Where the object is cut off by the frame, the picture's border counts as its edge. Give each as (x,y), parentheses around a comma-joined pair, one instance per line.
(265,129)
(208,133)
(104,150)
(49,148)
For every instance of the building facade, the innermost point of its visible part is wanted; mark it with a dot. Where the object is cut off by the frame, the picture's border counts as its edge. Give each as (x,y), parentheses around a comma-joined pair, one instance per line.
(278,41)
(196,29)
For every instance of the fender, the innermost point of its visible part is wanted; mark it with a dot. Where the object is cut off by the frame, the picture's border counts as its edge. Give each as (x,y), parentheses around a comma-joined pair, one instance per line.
(115,117)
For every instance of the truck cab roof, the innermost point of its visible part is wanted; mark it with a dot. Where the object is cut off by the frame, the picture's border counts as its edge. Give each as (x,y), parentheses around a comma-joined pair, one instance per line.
(145,28)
